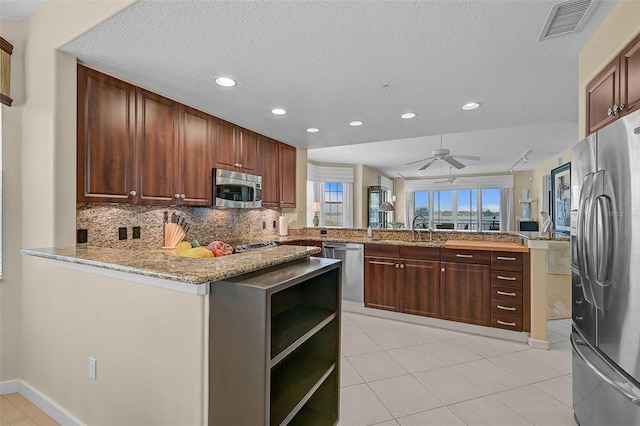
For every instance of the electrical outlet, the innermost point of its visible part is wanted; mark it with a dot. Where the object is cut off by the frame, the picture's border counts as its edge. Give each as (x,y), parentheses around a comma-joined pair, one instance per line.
(81,236)
(323,232)
(122,233)
(264,225)
(92,368)
(136,232)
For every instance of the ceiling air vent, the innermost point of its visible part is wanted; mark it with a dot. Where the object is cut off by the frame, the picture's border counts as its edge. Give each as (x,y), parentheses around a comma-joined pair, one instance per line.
(565,18)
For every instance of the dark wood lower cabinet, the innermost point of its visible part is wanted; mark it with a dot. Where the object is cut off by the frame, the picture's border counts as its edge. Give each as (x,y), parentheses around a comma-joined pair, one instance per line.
(420,288)
(381,283)
(465,293)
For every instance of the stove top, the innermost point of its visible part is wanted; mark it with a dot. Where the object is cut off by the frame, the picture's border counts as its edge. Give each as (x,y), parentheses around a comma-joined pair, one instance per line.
(242,248)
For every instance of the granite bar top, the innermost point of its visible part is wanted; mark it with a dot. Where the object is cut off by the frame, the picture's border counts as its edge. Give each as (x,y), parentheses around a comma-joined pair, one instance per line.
(554,236)
(364,240)
(486,245)
(166,265)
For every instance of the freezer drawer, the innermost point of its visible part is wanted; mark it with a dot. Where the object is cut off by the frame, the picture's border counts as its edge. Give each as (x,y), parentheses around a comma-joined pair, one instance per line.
(601,395)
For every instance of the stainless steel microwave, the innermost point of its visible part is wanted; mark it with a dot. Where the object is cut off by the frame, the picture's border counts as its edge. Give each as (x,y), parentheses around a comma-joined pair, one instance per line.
(236,190)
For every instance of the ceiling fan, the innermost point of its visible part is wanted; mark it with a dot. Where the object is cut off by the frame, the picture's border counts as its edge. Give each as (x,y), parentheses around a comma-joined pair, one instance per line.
(443,154)
(450,179)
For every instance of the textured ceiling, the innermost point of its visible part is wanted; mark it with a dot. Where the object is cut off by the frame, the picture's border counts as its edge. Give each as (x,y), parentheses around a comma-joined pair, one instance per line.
(326,62)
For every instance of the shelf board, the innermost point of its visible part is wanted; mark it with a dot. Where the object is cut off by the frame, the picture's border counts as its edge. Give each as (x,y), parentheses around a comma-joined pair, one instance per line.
(296,383)
(308,416)
(294,326)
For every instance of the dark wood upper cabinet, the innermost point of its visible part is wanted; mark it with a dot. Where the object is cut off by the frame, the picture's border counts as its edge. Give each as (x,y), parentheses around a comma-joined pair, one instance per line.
(630,76)
(268,152)
(105,138)
(615,91)
(287,159)
(156,148)
(236,148)
(195,157)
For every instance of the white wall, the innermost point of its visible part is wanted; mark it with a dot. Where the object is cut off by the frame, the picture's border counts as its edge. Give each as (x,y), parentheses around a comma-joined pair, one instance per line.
(148,342)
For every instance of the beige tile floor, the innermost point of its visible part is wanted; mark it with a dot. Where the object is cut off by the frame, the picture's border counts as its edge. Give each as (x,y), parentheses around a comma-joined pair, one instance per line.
(395,373)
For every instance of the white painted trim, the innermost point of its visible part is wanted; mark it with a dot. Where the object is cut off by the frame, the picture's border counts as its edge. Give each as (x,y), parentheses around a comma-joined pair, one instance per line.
(197,289)
(40,400)
(539,344)
(10,386)
(517,336)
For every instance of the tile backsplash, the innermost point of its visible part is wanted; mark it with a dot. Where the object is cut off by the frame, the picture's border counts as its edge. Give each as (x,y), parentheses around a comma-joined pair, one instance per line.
(233,226)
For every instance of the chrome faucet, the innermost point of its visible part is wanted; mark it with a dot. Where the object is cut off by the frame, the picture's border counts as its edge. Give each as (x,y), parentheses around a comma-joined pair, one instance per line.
(413,226)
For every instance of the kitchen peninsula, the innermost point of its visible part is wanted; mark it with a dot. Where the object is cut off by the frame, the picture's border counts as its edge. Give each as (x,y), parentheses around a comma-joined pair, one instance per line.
(191,321)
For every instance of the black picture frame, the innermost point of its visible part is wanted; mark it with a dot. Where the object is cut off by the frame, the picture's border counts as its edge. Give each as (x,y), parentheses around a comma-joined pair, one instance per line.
(561,198)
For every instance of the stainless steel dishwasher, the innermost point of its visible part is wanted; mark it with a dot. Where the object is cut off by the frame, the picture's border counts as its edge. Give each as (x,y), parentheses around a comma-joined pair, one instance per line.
(352,256)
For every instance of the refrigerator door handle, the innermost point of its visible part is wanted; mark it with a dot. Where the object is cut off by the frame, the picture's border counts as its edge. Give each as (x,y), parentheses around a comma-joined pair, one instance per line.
(601,223)
(615,379)
(583,233)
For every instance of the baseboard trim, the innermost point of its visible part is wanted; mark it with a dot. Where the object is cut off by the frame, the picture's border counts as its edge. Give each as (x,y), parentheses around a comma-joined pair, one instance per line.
(539,344)
(40,400)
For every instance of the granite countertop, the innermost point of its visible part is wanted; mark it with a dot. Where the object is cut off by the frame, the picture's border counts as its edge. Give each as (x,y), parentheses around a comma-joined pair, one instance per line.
(166,265)
(486,245)
(555,236)
(364,240)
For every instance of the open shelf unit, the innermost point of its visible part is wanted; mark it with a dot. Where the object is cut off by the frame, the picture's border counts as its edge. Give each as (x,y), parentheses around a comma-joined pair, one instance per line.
(274,347)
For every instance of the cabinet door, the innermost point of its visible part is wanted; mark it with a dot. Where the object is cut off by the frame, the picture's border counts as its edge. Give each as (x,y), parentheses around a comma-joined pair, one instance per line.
(602,95)
(195,158)
(381,283)
(420,288)
(105,138)
(465,293)
(269,170)
(287,175)
(630,76)
(225,146)
(156,148)
(247,151)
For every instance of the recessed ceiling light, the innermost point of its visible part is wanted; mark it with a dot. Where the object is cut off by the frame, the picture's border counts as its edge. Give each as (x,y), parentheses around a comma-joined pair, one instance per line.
(470,106)
(408,115)
(313,130)
(356,123)
(278,111)
(225,81)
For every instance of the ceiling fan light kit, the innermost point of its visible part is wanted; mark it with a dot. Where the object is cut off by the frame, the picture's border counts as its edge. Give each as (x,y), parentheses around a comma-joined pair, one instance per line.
(444,154)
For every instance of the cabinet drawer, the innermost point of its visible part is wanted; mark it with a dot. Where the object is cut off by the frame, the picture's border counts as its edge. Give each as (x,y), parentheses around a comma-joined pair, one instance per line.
(506,261)
(506,294)
(420,253)
(506,278)
(381,250)
(511,309)
(506,322)
(466,256)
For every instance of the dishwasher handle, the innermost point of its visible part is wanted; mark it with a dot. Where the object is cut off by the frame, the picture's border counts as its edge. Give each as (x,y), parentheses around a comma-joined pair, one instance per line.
(341,248)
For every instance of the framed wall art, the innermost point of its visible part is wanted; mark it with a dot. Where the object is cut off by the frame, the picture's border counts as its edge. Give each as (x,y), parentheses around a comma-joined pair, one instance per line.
(561,198)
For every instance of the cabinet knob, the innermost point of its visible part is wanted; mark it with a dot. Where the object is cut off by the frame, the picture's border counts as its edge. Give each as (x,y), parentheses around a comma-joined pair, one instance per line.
(609,112)
(402,266)
(182,196)
(132,193)
(240,165)
(442,270)
(176,195)
(397,266)
(616,109)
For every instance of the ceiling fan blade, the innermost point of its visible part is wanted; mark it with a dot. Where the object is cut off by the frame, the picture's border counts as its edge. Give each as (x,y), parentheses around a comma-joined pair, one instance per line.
(467,157)
(420,161)
(428,164)
(453,162)
(443,181)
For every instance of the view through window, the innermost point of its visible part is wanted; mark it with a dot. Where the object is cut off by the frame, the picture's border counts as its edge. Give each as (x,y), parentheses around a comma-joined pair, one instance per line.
(458,209)
(333,205)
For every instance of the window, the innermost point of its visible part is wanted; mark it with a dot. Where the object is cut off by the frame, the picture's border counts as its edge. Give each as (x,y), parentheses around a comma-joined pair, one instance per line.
(458,209)
(467,209)
(491,209)
(443,210)
(333,207)
(422,206)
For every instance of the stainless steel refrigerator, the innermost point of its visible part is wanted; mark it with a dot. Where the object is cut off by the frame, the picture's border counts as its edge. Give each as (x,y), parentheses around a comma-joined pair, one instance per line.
(605,264)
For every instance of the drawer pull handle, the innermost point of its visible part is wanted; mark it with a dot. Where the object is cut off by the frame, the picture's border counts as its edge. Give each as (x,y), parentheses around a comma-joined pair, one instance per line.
(468,256)
(506,308)
(512,324)
(500,277)
(381,263)
(506,258)
(504,293)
